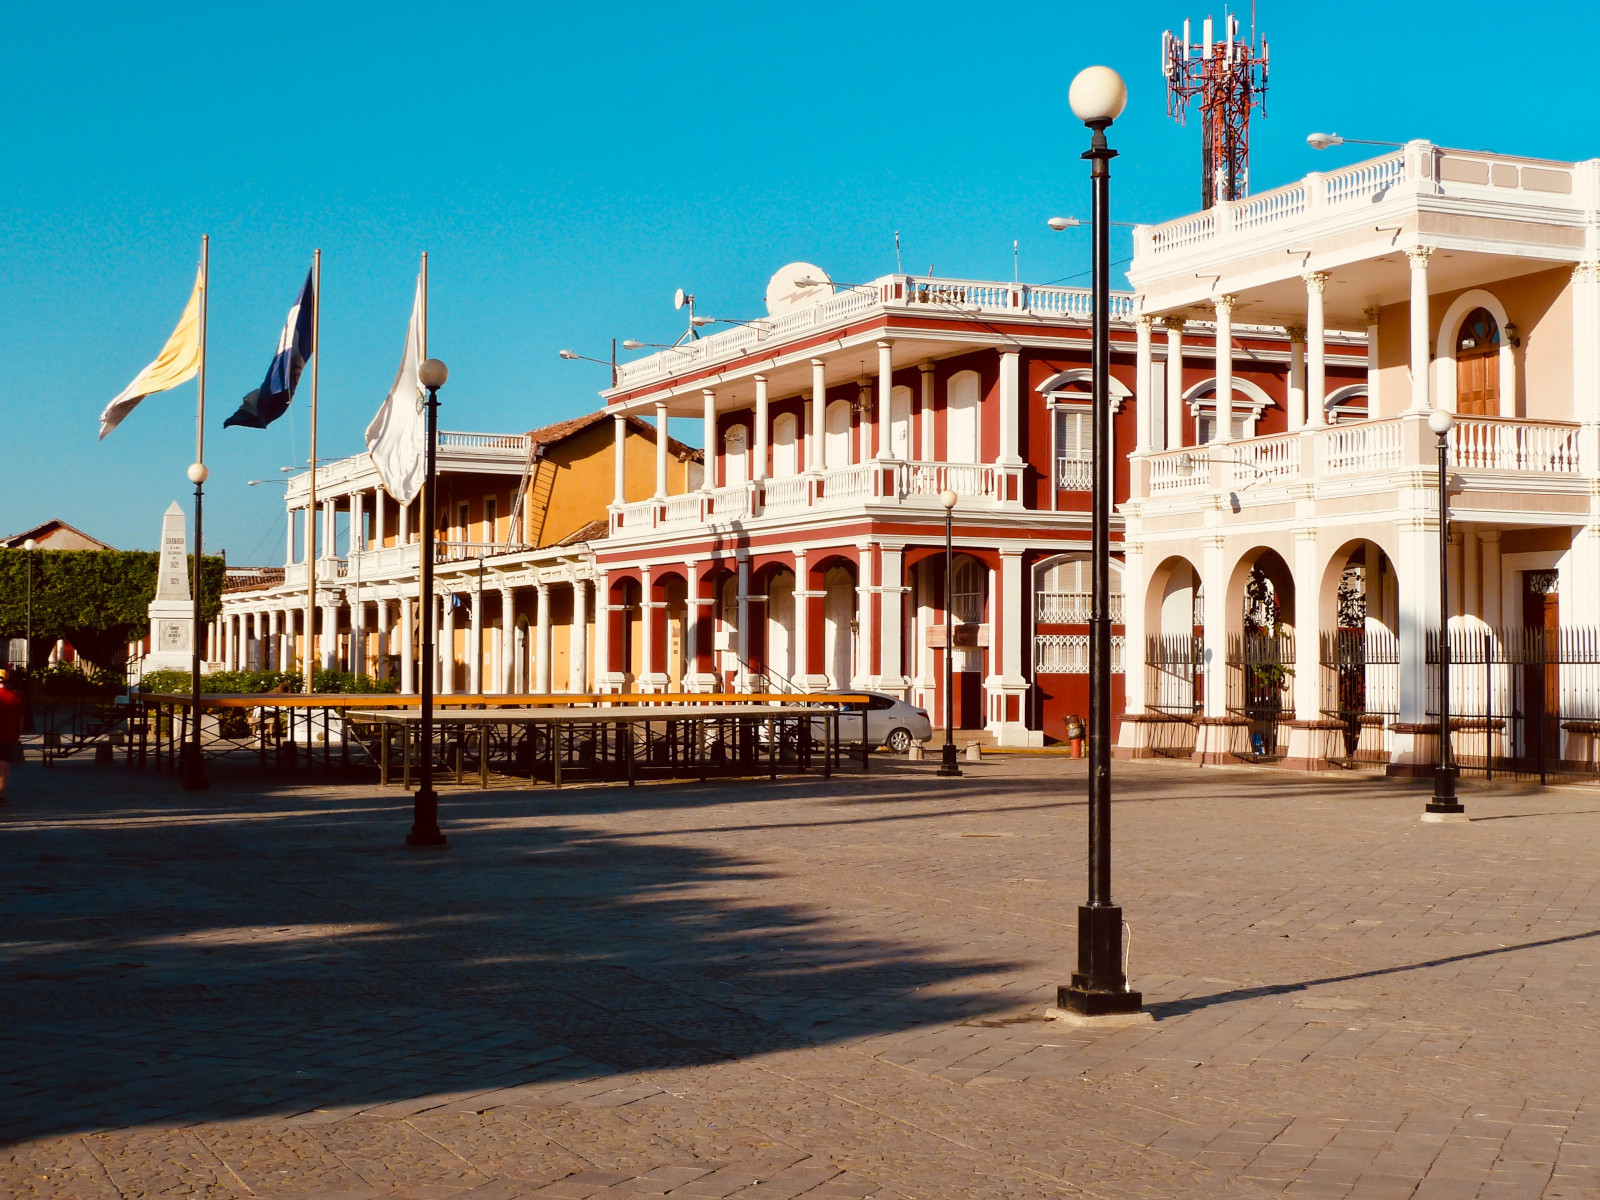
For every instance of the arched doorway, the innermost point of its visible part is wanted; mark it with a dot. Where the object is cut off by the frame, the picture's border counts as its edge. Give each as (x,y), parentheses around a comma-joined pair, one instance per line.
(1478,365)
(969,595)
(839,626)
(1261,652)
(1359,652)
(781,668)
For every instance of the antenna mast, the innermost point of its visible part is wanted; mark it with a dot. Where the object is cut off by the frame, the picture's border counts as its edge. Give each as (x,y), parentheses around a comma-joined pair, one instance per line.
(1228,77)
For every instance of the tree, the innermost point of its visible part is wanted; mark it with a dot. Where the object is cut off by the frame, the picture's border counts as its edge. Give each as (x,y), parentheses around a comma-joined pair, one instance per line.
(98,600)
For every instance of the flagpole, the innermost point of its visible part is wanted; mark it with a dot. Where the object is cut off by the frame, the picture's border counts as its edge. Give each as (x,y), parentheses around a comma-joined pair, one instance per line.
(311,502)
(194,775)
(424,579)
(425,830)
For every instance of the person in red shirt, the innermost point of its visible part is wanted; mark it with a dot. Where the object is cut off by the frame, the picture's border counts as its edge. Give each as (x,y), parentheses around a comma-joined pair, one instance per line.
(10,729)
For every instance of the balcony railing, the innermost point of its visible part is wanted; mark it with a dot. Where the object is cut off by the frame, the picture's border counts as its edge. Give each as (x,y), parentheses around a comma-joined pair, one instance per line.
(792,491)
(1363,448)
(973,481)
(1074,475)
(1072,608)
(1068,653)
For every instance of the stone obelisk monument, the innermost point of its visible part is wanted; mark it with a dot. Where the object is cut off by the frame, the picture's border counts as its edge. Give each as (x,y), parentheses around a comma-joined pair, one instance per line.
(172,611)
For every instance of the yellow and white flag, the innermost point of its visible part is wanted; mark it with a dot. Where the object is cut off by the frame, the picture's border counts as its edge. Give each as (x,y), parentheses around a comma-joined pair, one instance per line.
(178,362)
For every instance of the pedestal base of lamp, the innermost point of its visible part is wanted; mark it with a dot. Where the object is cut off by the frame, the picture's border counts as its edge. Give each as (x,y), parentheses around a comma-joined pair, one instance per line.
(192,768)
(1099,987)
(425,834)
(947,760)
(1444,805)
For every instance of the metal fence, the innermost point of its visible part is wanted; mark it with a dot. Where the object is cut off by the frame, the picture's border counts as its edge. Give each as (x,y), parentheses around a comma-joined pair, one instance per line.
(1361,688)
(1524,702)
(1261,689)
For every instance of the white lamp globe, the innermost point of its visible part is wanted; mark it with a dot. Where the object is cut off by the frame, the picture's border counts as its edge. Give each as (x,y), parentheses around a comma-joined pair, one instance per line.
(947,498)
(1097,95)
(1440,420)
(198,473)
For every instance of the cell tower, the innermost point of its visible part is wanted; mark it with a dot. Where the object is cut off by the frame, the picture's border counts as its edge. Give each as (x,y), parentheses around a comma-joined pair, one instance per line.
(1229,77)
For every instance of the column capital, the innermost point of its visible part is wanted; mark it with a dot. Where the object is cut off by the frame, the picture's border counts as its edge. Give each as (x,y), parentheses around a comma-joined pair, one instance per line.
(1316,281)
(1145,322)
(885,343)
(1371,314)
(818,362)
(1295,333)
(708,393)
(926,368)
(1224,304)
(759,378)
(1418,256)
(1174,324)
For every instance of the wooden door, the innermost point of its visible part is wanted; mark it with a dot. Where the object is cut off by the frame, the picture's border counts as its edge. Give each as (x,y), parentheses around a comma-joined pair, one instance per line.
(1541,676)
(1478,385)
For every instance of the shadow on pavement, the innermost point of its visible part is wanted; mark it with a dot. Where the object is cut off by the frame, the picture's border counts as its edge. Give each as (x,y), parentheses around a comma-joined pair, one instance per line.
(263,954)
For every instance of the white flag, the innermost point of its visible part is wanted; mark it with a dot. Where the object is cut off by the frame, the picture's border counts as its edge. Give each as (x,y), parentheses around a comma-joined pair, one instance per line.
(178,362)
(398,436)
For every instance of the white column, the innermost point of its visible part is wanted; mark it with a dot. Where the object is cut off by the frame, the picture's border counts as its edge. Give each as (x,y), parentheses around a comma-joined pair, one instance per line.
(1144,417)
(1222,429)
(802,618)
(288,549)
(269,660)
(882,413)
(382,650)
(1316,361)
(925,411)
(1010,407)
(1453,556)
(1013,618)
(1174,382)
(1421,367)
(330,639)
(507,664)
(1215,581)
(1307,628)
(743,684)
(691,628)
(1491,578)
(447,647)
(710,397)
(647,634)
(1471,575)
(1416,578)
(358,541)
(1586,363)
(408,682)
(602,630)
(758,466)
(891,605)
(619,439)
(404,524)
(1297,376)
(380,511)
(541,663)
(817,427)
(578,641)
(358,636)
(475,646)
(330,527)
(661,450)
(1133,631)
(1372,316)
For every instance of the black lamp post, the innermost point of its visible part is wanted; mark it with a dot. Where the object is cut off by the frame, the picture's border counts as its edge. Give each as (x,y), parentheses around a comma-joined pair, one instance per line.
(1444,802)
(947,758)
(27,647)
(1099,986)
(194,766)
(425,804)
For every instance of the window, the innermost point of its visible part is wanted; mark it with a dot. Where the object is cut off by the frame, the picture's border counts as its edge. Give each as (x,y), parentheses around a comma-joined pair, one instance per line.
(785,456)
(961,418)
(463,522)
(900,423)
(966,591)
(1064,594)
(836,441)
(1074,448)
(735,455)
(1205,423)
(490,519)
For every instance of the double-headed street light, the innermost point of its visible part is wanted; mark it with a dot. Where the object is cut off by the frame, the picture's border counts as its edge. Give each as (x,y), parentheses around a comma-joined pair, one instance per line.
(425,832)
(574,356)
(1444,803)
(947,758)
(1099,986)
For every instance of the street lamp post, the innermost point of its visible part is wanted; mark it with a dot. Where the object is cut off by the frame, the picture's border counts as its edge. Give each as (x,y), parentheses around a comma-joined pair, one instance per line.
(27,647)
(1444,802)
(947,758)
(1099,986)
(425,831)
(194,768)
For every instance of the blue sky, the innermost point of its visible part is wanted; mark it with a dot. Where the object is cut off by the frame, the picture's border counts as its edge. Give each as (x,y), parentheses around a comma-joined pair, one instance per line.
(568,166)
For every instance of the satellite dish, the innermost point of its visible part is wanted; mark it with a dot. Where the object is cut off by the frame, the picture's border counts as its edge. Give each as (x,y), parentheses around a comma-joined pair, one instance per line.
(679,298)
(798,285)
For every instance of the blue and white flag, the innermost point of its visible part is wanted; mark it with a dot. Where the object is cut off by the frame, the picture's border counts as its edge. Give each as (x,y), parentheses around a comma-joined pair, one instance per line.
(271,400)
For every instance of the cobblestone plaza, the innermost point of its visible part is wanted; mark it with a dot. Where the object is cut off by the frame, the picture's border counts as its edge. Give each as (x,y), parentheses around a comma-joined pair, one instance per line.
(829,989)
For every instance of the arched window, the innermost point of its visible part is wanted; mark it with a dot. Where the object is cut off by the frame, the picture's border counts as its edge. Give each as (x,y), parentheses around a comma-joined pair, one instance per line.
(785,458)
(736,455)
(836,440)
(1065,588)
(1478,365)
(966,590)
(962,440)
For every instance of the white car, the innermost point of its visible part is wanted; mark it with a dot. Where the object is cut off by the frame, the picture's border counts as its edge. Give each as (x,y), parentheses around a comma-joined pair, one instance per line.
(891,721)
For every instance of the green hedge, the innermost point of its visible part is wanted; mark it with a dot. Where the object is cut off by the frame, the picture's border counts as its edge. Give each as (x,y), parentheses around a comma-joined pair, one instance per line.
(348,682)
(246,683)
(98,600)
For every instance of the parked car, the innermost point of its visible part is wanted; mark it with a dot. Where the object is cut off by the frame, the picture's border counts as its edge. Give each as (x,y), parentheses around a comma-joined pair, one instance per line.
(891,722)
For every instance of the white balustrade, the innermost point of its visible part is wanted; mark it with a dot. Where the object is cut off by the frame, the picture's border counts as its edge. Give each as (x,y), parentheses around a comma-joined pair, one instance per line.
(731,503)
(1074,474)
(1364,179)
(1359,446)
(1501,445)
(1179,470)
(847,483)
(1266,459)
(791,491)
(1073,608)
(681,510)
(639,515)
(974,481)
(1068,654)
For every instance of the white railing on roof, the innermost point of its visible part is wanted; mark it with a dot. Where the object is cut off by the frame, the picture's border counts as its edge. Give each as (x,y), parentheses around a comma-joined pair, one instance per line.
(1364,179)
(514,442)
(888,293)
(1501,445)
(791,491)
(1270,207)
(1360,446)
